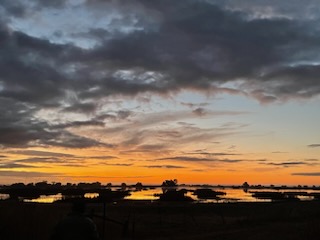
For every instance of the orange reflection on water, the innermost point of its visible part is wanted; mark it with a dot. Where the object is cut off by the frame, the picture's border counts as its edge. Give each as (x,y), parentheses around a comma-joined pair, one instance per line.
(45,198)
(148,194)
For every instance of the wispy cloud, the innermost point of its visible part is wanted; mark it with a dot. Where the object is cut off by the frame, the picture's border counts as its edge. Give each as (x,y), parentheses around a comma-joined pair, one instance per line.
(40,153)
(4,173)
(315,145)
(117,164)
(199,159)
(104,157)
(165,166)
(201,152)
(307,174)
(286,163)
(199,112)
(15,165)
(312,160)
(188,159)
(289,163)
(40,160)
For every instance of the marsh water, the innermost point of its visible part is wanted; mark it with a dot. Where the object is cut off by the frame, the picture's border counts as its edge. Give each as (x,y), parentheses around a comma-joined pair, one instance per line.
(152,194)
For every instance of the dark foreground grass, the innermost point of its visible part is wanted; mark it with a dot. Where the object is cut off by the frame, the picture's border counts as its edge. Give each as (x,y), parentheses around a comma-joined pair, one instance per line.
(145,220)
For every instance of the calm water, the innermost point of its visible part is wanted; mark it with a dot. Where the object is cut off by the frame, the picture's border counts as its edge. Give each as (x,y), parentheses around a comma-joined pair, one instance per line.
(232,195)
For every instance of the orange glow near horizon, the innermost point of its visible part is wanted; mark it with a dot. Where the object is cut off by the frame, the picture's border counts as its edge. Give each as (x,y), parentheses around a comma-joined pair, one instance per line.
(147,169)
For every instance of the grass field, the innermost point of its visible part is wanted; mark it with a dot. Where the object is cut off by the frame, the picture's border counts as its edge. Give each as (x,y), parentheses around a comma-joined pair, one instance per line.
(146,220)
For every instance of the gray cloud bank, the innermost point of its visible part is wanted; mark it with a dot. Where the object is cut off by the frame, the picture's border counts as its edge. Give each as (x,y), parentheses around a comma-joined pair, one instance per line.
(147,47)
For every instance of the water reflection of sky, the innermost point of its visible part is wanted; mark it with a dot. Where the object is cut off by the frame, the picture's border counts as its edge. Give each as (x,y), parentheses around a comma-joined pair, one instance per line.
(148,194)
(232,195)
(4,196)
(45,198)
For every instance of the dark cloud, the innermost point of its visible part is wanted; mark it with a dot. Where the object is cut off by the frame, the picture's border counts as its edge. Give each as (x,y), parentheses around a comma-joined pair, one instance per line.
(150,147)
(124,114)
(25,63)
(69,140)
(81,107)
(73,165)
(71,124)
(104,157)
(299,81)
(261,160)
(169,134)
(199,159)
(165,166)
(192,105)
(115,116)
(112,177)
(205,45)
(15,165)
(312,160)
(19,128)
(14,8)
(41,153)
(230,160)
(201,152)
(168,46)
(307,174)
(29,85)
(20,137)
(46,162)
(117,164)
(286,164)
(51,3)
(198,170)
(314,145)
(188,159)
(25,174)
(39,160)
(199,112)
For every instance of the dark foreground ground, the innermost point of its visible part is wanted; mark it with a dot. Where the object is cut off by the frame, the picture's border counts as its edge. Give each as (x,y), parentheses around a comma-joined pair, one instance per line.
(145,220)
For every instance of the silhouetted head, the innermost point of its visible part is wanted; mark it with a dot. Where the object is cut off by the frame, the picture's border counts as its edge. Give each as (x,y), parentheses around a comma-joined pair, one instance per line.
(78,205)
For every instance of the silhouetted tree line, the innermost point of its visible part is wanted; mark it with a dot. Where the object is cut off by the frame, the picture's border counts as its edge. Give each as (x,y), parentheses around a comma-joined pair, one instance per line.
(35,190)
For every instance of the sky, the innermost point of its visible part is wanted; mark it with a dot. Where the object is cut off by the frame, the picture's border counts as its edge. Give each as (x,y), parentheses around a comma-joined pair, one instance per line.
(203,91)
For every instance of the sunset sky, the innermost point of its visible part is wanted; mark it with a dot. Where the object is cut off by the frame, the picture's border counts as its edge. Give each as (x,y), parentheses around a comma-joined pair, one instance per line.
(204,91)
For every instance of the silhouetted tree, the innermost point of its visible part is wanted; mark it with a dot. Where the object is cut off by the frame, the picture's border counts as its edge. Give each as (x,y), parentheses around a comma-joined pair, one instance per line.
(170,183)
(43,184)
(245,187)
(123,186)
(172,195)
(139,186)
